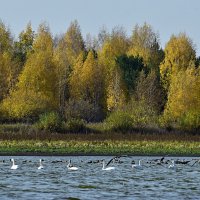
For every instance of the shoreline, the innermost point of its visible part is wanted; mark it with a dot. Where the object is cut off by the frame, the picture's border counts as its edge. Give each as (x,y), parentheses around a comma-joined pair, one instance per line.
(90,154)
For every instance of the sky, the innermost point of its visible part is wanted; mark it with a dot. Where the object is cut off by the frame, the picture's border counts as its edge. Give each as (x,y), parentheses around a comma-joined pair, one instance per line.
(167,17)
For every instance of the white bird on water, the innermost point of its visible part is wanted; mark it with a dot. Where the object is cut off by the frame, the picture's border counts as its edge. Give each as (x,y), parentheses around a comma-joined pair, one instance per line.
(41,166)
(70,167)
(107,168)
(13,164)
(137,166)
(172,166)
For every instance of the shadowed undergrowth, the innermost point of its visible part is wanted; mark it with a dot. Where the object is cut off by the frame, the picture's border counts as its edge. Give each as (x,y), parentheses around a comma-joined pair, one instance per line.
(91,133)
(19,138)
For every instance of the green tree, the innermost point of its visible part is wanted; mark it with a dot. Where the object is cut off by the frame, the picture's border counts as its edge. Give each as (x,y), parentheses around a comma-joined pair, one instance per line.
(24,45)
(130,67)
(117,44)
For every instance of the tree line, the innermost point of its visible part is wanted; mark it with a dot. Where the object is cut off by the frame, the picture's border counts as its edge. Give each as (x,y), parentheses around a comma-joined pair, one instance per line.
(126,80)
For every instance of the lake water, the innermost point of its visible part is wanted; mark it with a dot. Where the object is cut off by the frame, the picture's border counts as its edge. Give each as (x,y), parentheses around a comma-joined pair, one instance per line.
(55,181)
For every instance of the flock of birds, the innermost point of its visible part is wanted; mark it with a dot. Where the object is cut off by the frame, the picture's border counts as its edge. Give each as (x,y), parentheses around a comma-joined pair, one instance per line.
(168,163)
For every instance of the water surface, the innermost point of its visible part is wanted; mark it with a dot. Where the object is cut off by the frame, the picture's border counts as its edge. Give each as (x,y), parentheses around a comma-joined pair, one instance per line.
(55,181)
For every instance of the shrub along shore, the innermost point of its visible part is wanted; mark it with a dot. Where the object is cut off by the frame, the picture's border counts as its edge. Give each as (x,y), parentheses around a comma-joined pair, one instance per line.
(27,140)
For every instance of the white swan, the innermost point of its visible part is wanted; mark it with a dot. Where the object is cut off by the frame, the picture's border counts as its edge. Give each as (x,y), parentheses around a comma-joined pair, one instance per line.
(13,164)
(172,166)
(139,166)
(41,166)
(70,167)
(107,168)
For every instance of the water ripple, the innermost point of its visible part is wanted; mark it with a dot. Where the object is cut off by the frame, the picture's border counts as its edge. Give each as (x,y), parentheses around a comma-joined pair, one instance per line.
(55,181)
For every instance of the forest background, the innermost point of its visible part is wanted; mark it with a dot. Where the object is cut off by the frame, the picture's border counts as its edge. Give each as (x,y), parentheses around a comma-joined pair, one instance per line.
(111,82)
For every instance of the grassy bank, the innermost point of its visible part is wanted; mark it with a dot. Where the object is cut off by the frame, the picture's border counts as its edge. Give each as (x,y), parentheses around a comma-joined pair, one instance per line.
(102,147)
(135,147)
(26,139)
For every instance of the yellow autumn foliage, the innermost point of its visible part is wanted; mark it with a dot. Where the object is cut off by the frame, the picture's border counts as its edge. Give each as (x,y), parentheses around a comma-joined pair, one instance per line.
(145,44)
(36,88)
(179,52)
(113,47)
(183,106)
